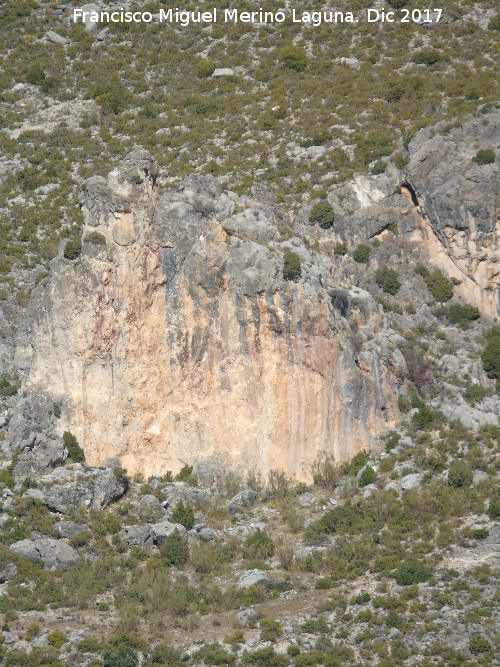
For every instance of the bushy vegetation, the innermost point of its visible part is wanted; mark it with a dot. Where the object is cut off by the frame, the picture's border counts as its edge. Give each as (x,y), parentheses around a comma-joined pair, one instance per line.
(460,474)
(258,546)
(75,452)
(484,156)
(388,280)
(462,314)
(73,249)
(439,286)
(96,238)
(292,268)
(362,254)
(412,572)
(322,214)
(183,514)
(175,550)
(490,355)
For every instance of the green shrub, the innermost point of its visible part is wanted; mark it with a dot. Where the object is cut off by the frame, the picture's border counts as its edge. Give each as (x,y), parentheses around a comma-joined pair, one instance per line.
(266,657)
(95,237)
(73,249)
(460,474)
(426,417)
(462,314)
(494,24)
(340,248)
(35,74)
(164,654)
(57,639)
(387,279)
(292,269)
(184,515)
(205,68)
(379,167)
(412,572)
(293,57)
(426,57)
(175,550)
(186,475)
(322,214)
(490,355)
(75,452)
(362,254)
(368,476)
(494,507)
(271,630)
(478,644)
(258,546)
(123,657)
(213,654)
(439,286)
(474,393)
(484,156)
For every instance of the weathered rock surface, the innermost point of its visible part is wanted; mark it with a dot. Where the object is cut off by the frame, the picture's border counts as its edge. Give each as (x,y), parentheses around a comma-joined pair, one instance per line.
(252,578)
(80,486)
(54,554)
(160,531)
(245,497)
(179,339)
(448,206)
(8,572)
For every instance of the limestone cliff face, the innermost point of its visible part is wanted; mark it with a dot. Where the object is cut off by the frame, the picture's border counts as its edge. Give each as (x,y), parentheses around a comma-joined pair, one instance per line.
(178,339)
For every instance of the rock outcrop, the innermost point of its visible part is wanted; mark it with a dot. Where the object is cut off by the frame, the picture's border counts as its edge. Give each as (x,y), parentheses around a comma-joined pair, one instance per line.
(447,204)
(178,338)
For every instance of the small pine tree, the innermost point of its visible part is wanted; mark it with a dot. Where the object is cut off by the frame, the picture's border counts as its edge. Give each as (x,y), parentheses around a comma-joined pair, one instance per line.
(292,269)
(175,550)
(490,355)
(439,286)
(75,452)
(368,476)
(412,572)
(184,515)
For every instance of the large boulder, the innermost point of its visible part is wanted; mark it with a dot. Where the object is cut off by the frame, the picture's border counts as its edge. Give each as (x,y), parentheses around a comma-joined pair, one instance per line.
(164,529)
(241,499)
(54,554)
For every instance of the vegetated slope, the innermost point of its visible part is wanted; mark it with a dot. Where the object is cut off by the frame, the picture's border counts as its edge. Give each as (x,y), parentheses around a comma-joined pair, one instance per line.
(69,109)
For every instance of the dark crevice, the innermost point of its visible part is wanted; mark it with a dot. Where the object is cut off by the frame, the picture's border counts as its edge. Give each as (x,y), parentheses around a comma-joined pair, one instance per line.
(406,185)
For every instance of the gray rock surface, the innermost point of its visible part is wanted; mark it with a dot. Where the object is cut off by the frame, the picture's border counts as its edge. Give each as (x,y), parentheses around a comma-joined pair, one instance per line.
(160,531)
(7,572)
(411,481)
(252,578)
(150,509)
(137,535)
(54,554)
(242,499)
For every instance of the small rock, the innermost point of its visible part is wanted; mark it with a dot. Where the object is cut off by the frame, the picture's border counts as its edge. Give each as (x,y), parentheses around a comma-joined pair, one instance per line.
(137,535)
(223,71)
(479,476)
(150,508)
(411,481)
(54,37)
(306,499)
(252,578)
(8,572)
(246,617)
(164,529)
(245,497)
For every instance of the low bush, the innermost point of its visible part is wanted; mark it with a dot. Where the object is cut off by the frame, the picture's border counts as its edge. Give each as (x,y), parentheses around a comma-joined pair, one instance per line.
(362,254)
(484,156)
(388,280)
(490,355)
(462,314)
(292,269)
(205,68)
(460,474)
(368,476)
(439,286)
(123,657)
(258,546)
(293,57)
(184,515)
(478,644)
(96,238)
(73,249)
(322,214)
(412,572)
